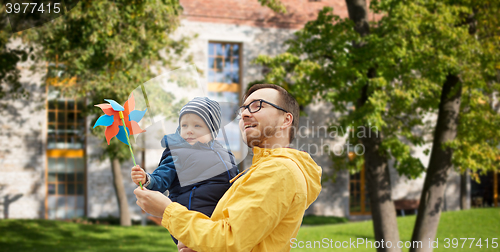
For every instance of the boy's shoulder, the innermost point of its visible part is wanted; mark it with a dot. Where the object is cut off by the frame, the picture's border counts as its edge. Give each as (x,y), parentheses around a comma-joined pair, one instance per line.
(173,140)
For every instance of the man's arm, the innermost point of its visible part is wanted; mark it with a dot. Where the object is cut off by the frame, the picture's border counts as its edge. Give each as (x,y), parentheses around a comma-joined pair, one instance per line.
(252,211)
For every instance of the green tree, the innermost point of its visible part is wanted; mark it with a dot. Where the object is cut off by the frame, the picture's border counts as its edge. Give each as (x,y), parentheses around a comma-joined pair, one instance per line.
(275,5)
(459,61)
(109,47)
(416,60)
(337,68)
(10,86)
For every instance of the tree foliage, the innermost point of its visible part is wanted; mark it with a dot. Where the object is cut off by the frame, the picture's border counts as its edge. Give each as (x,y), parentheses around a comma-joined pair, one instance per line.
(10,85)
(110,47)
(275,5)
(414,46)
(397,77)
(106,49)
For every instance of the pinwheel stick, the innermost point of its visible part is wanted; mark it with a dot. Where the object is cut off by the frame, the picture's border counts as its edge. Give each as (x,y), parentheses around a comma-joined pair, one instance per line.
(128,141)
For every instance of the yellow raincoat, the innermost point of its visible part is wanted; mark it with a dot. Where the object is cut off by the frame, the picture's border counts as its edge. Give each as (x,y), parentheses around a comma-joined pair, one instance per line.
(261,211)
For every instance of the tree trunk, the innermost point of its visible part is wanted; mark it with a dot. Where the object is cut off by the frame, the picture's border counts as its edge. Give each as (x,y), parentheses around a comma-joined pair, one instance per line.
(440,164)
(121,196)
(385,225)
(358,13)
(465,190)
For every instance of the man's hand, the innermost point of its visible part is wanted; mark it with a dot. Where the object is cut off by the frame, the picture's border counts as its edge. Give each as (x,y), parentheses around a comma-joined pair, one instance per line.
(186,250)
(152,202)
(182,248)
(138,175)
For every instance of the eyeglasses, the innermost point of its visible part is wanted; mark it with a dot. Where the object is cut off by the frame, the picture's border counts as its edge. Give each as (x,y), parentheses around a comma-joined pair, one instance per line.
(255,106)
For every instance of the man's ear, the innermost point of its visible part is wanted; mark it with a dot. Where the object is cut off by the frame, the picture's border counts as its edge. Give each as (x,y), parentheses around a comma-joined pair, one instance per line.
(287,121)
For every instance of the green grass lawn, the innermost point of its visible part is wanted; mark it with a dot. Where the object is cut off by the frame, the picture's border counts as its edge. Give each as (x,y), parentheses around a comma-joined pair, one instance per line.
(477,223)
(52,236)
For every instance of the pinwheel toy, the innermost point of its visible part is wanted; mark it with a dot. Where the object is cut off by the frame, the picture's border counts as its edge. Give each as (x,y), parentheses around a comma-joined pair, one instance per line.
(121,121)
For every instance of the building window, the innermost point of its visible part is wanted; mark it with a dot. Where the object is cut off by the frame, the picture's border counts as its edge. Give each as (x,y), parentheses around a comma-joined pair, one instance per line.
(485,193)
(224,67)
(65,124)
(65,185)
(65,170)
(224,86)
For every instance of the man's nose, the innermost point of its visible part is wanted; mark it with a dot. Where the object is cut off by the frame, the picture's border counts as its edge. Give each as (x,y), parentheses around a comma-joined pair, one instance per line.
(246,113)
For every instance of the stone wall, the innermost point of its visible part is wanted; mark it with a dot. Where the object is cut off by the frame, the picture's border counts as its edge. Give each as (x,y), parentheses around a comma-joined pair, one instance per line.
(101,195)
(22,148)
(252,13)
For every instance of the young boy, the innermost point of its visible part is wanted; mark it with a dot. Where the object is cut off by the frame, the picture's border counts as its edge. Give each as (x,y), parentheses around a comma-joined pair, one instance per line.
(194,167)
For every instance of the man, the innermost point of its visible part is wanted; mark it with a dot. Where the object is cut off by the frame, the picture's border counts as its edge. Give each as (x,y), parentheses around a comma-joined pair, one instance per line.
(263,209)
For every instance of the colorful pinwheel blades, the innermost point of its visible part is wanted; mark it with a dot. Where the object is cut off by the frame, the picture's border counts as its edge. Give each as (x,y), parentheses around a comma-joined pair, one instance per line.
(113,123)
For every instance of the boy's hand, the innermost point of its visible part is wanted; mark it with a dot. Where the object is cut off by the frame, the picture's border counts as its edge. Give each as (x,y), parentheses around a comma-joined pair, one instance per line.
(138,175)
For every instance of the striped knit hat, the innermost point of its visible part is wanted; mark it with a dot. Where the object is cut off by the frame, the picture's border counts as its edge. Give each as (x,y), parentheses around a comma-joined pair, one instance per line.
(207,109)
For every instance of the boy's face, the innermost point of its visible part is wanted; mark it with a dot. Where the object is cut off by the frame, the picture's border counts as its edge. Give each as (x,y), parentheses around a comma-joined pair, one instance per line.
(194,129)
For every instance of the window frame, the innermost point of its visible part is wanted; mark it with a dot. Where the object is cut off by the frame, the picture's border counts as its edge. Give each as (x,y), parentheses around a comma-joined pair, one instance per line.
(363,193)
(64,153)
(225,87)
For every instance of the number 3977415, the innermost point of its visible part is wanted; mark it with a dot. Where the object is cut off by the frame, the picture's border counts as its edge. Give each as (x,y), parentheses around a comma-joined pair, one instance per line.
(32,8)
(455,242)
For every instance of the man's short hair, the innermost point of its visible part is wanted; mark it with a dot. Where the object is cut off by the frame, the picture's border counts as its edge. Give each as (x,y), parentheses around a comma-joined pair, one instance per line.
(286,101)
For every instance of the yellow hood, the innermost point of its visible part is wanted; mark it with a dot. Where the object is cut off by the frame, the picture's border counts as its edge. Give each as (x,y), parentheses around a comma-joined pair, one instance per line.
(309,168)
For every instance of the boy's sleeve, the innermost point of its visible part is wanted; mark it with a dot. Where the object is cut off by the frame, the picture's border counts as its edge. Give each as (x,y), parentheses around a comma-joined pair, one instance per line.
(161,179)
